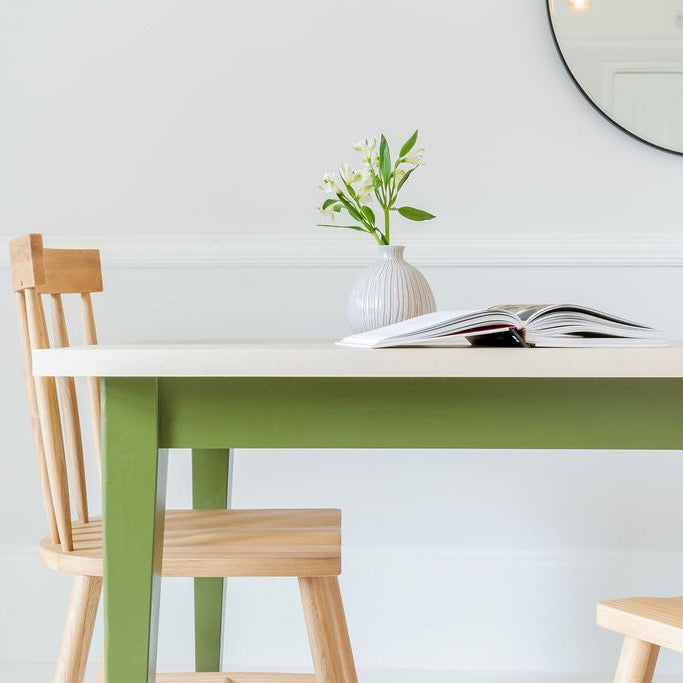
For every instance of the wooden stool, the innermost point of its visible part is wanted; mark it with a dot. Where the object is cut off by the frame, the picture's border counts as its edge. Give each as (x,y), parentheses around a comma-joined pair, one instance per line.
(647,624)
(197,543)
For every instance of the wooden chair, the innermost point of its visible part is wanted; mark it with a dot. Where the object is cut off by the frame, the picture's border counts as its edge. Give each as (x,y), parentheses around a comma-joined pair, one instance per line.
(647,624)
(197,543)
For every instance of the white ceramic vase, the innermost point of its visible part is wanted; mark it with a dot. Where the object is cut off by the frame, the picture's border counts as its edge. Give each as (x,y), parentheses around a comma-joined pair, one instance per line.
(389,291)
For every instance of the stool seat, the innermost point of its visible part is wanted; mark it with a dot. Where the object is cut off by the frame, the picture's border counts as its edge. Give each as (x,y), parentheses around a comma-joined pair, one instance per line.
(218,543)
(654,620)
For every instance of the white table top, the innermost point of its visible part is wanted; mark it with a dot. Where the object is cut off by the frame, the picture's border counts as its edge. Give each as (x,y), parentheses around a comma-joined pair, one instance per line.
(259,358)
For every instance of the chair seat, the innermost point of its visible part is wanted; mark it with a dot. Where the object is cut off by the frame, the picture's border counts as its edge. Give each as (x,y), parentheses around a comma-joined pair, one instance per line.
(215,543)
(653,620)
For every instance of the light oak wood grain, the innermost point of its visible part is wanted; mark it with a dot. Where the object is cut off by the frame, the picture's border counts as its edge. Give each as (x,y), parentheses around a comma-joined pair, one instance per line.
(53,271)
(327,634)
(216,543)
(90,338)
(197,543)
(56,428)
(26,259)
(71,271)
(637,662)
(340,632)
(35,419)
(78,630)
(71,423)
(654,620)
(50,424)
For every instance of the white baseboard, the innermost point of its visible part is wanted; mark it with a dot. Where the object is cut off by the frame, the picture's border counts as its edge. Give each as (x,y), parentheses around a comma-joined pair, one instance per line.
(409,608)
(33,672)
(325,249)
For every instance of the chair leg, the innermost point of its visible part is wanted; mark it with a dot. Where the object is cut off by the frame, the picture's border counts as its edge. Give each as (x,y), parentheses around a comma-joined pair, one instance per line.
(327,631)
(80,622)
(637,661)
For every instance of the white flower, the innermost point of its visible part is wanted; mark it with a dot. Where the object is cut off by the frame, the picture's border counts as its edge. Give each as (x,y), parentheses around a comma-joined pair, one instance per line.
(366,190)
(329,212)
(371,161)
(366,145)
(348,174)
(329,184)
(415,156)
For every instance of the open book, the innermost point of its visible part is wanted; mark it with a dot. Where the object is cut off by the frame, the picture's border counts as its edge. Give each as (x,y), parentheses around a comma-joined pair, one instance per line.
(512,325)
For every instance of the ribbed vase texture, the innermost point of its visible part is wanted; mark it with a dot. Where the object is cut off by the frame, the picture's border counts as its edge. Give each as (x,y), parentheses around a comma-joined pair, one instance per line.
(389,291)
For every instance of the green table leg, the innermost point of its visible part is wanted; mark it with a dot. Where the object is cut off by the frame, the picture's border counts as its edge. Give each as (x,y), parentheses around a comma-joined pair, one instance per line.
(210,483)
(134,488)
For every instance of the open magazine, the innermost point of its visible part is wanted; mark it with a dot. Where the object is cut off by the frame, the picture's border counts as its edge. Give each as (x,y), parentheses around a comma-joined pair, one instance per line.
(520,325)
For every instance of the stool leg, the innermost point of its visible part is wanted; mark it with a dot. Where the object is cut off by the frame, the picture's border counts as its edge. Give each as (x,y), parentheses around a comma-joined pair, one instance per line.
(327,631)
(80,623)
(637,661)
(341,630)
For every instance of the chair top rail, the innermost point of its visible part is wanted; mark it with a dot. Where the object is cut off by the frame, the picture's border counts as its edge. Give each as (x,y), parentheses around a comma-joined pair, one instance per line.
(54,271)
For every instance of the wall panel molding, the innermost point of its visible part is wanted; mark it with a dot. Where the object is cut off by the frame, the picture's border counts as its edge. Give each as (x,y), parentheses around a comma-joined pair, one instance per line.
(305,250)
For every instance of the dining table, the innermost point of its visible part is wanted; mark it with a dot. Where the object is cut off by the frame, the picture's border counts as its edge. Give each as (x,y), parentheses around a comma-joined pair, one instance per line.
(214,396)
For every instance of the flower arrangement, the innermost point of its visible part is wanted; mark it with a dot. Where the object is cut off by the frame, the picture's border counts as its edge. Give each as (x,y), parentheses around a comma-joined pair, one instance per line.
(378,179)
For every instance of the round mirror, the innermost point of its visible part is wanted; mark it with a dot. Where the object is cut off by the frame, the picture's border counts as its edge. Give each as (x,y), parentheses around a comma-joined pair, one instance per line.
(626,56)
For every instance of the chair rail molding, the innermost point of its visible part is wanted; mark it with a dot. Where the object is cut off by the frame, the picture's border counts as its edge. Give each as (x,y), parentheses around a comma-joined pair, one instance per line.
(329,249)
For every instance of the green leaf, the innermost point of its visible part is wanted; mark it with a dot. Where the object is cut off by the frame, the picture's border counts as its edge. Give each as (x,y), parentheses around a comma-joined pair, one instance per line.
(384,160)
(349,189)
(408,145)
(349,227)
(415,214)
(353,211)
(329,202)
(377,185)
(343,200)
(355,214)
(404,178)
(369,214)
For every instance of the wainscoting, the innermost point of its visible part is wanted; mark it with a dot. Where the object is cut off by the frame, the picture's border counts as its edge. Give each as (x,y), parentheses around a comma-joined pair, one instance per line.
(317,248)
(454,560)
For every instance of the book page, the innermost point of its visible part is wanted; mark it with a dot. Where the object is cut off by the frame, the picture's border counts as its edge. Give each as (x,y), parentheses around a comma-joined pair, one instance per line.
(406,328)
(525,312)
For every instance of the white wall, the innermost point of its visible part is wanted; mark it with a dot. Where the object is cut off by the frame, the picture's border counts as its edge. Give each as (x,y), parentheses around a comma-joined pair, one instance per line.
(186,140)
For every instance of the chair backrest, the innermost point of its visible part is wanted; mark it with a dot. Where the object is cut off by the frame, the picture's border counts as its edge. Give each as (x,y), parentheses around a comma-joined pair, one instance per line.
(53,406)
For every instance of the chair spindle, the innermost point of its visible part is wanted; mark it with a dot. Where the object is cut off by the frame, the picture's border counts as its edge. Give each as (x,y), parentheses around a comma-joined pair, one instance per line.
(50,423)
(71,423)
(90,338)
(35,419)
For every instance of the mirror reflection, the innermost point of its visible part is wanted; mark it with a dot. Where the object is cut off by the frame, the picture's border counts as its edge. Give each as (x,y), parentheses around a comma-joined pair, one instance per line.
(627,56)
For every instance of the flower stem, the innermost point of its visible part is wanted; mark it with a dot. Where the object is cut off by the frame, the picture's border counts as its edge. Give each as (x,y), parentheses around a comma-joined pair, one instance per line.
(386,224)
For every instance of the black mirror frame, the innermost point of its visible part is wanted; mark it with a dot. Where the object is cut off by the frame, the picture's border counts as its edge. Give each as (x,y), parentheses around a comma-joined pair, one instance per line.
(588,98)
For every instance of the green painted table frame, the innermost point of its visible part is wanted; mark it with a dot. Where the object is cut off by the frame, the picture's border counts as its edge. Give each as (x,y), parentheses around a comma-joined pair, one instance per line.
(142,417)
